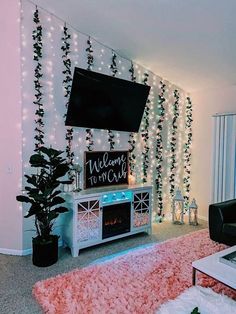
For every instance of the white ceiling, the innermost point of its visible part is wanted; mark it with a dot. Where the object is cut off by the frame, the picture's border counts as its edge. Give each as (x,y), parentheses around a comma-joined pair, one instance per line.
(192,43)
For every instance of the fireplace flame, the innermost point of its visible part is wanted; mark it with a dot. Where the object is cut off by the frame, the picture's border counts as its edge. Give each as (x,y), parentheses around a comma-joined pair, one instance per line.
(113,222)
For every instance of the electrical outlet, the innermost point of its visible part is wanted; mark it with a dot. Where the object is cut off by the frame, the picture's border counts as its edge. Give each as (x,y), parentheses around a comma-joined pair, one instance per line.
(9,169)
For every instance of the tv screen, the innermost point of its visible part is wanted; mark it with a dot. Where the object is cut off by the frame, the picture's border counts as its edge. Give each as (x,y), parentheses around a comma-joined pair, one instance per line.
(104,102)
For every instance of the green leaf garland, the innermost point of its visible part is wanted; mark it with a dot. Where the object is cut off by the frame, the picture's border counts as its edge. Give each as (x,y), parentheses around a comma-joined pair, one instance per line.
(131,140)
(67,88)
(187,149)
(37,50)
(145,134)
(159,148)
(173,143)
(90,60)
(131,70)
(89,140)
(114,64)
(111,139)
(114,70)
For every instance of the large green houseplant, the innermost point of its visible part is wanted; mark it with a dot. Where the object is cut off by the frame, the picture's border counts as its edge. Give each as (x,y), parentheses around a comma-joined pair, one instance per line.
(43,196)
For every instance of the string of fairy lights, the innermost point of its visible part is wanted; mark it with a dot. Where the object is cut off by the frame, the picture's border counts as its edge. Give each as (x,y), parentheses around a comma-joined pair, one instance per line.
(147,148)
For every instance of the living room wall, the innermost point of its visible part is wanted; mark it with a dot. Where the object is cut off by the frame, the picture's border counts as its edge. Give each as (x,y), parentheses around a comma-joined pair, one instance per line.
(10,129)
(20,133)
(207,103)
(54,104)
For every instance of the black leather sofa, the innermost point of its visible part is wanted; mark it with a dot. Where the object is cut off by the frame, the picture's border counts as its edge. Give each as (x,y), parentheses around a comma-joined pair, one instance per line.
(222,222)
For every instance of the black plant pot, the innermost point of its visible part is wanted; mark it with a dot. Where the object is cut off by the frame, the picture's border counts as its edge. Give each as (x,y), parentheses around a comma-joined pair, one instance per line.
(45,253)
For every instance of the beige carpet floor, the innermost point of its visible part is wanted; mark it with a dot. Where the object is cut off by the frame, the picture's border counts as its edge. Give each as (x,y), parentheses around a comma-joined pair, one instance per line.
(18,275)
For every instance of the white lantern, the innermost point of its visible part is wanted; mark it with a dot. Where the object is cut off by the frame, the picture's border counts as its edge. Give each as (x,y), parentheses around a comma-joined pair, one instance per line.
(193,219)
(178,208)
(77,169)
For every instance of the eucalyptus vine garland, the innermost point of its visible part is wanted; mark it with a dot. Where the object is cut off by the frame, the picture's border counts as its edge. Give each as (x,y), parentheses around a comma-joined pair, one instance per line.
(114,70)
(114,64)
(89,51)
(145,134)
(67,88)
(90,60)
(131,70)
(173,142)
(131,140)
(187,149)
(159,147)
(111,139)
(89,139)
(39,112)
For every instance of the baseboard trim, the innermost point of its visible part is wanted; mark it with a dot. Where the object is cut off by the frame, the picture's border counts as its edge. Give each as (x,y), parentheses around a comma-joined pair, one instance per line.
(203,218)
(26,252)
(10,251)
(21,252)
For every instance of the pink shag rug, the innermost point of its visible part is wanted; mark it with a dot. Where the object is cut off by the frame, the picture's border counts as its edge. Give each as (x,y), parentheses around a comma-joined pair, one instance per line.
(137,282)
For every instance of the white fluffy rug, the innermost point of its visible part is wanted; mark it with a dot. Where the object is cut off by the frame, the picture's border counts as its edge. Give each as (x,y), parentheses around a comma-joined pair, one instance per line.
(207,301)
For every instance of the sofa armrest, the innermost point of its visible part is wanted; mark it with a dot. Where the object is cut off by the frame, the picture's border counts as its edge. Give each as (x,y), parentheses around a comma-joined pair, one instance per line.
(215,222)
(221,214)
(227,210)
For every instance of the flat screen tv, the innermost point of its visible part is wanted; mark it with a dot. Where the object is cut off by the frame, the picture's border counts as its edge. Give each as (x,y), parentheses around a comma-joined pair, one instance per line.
(104,102)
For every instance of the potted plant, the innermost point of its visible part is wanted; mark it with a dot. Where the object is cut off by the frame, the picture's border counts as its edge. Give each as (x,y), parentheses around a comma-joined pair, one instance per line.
(43,196)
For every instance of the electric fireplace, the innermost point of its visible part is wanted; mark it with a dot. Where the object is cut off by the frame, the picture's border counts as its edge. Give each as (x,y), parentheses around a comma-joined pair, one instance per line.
(116,219)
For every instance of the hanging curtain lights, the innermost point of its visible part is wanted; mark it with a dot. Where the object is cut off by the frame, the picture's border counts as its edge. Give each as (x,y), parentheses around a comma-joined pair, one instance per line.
(153,152)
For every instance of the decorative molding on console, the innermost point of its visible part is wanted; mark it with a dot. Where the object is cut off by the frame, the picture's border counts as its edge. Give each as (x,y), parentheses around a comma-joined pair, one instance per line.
(83,225)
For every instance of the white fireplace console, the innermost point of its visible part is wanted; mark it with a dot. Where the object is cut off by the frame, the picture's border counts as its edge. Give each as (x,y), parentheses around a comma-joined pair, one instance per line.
(85,223)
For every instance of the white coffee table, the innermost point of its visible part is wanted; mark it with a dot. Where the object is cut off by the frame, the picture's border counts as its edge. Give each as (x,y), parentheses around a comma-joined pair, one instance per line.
(212,267)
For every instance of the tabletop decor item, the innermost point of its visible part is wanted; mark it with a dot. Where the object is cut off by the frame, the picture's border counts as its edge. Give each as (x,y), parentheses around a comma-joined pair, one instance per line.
(193,214)
(178,208)
(77,169)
